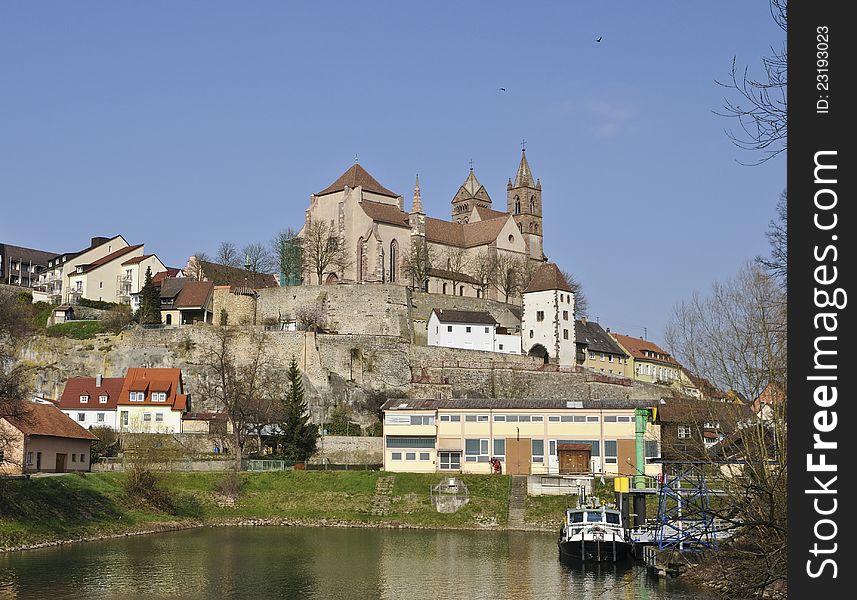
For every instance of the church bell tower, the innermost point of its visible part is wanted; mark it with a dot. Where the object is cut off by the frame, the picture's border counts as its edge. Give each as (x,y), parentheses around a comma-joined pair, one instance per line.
(524,203)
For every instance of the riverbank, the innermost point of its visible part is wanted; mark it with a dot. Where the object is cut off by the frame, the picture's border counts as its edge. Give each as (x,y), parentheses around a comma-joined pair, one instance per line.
(72,508)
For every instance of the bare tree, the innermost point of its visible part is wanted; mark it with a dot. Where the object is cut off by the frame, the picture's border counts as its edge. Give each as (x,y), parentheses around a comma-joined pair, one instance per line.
(776,263)
(322,250)
(455,261)
(286,250)
(258,258)
(194,269)
(581,302)
(244,389)
(483,268)
(760,107)
(417,264)
(15,326)
(312,316)
(227,254)
(510,278)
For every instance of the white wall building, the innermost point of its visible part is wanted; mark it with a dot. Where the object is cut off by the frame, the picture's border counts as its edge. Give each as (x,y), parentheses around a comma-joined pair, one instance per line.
(547,324)
(469,329)
(91,401)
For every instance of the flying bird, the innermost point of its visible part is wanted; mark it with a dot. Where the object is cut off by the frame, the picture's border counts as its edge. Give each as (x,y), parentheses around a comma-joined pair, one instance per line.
(599,38)
(502,89)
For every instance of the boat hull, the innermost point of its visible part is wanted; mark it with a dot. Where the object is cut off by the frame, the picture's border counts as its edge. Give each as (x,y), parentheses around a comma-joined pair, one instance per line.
(595,550)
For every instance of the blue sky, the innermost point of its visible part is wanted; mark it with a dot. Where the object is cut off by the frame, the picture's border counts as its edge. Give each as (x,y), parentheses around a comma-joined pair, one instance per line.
(181,124)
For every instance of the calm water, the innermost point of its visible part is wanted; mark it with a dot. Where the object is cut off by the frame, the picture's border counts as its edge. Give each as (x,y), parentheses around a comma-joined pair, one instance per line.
(269,562)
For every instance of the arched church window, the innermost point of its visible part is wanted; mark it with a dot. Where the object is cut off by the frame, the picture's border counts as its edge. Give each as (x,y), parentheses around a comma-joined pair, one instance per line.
(532,205)
(536,227)
(394,261)
(444,288)
(517,205)
(461,290)
(521,227)
(360,260)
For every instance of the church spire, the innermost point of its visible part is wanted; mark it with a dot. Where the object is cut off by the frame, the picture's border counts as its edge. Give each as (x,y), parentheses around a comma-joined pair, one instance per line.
(418,201)
(524,178)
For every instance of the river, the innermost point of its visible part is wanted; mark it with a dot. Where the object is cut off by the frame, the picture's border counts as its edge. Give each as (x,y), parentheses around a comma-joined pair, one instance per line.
(323,563)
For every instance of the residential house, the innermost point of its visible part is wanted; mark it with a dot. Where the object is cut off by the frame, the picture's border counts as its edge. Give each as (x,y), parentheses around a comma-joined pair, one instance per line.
(527,436)
(690,427)
(21,266)
(770,402)
(185,301)
(115,277)
(470,329)
(91,401)
(650,362)
(547,323)
(52,283)
(43,440)
(599,352)
(152,401)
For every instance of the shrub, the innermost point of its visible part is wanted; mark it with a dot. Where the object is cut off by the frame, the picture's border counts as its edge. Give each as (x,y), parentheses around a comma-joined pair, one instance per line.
(117,318)
(79,330)
(99,304)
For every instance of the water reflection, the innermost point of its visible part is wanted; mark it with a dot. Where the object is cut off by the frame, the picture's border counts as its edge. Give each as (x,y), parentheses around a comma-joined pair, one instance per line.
(324,564)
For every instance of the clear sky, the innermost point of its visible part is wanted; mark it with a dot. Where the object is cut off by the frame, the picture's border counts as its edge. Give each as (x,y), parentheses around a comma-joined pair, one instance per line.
(181,124)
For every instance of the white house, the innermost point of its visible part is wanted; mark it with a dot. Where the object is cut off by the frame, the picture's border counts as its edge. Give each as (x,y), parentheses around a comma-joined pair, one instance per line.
(91,401)
(470,329)
(547,323)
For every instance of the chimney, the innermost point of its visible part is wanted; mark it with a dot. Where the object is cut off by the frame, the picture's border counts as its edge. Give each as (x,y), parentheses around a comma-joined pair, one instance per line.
(608,330)
(98,380)
(97,241)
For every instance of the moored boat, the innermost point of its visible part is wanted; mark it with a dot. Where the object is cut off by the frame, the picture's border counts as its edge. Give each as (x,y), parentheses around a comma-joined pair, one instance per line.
(595,534)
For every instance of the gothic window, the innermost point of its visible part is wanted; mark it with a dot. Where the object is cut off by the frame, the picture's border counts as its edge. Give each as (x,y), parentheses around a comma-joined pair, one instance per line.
(520,228)
(517,205)
(466,219)
(360,260)
(532,205)
(444,288)
(381,265)
(531,228)
(394,261)
(461,290)
(536,227)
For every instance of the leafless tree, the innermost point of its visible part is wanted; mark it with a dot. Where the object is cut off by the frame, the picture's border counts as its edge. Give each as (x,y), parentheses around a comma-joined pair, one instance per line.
(760,104)
(581,302)
(455,264)
(322,250)
(312,316)
(417,263)
(258,258)
(286,250)
(244,384)
(194,269)
(227,254)
(511,277)
(15,326)
(776,263)
(483,268)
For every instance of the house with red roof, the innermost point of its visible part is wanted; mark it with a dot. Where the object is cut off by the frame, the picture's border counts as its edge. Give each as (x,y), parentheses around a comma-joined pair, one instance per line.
(91,401)
(152,401)
(43,440)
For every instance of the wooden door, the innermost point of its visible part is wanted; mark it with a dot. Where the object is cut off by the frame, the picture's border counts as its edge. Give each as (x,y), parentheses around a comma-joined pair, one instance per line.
(627,451)
(518,456)
(60,467)
(573,462)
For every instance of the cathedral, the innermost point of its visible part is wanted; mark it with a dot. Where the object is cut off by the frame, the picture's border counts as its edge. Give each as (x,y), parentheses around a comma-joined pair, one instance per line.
(384,243)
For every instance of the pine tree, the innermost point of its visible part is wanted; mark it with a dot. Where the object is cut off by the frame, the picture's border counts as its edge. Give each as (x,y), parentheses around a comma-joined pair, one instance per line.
(298,434)
(150,301)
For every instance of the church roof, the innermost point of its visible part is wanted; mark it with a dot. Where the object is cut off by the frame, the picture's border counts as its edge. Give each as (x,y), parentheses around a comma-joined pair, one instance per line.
(524,177)
(464,235)
(548,277)
(488,213)
(385,213)
(357,176)
(471,184)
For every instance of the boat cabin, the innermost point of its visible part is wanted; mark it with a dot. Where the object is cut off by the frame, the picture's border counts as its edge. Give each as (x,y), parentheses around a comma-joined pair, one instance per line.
(584,517)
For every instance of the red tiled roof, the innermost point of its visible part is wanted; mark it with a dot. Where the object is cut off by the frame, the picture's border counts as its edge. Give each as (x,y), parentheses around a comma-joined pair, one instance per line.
(76,387)
(548,277)
(194,294)
(137,259)
(48,420)
(637,346)
(489,213)
(154,380)
(159,277)
(235,277)
(464,235)
(385,213)
(107,259)
(354,177)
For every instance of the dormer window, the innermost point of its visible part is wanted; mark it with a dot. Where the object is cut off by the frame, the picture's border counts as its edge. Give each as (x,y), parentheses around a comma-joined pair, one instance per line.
(159,396)
(137,396)
(79,269)
(102,399)
(84,398)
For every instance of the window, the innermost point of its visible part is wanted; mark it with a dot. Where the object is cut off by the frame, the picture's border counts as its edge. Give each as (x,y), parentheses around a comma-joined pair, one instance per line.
(450,418)
(482,418)
(450,461)
(602,357)
(625,419)
(159,396)
(461,290)
(592,419)
(397,420)
(159,417)
(553,418)
(81,417)
(410,456)
(476,450)
(100,285)
(610,452)
(531,334)
(610,418)
(100,417)
(396,456)
(683,432)
(424,455)
(444,291)
(591,355)
(609,358)
(565,315)
(540,315)
(422,420)
(400,441)
(499,418)
(567,418)
(565,334)
(512,418)
(467,329)
(29,458)
(499,447)
(102,399)
(523,418)
(652,450)
(579,418)
(449,327)
(147,416)
(486,330)
(501,346)
(84,399)
(538,419)
(538,451)
(137,396)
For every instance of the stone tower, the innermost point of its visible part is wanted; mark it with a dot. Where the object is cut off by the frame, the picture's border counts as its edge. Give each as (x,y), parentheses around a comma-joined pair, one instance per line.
(470,195)
(524,202)
(418,257)
(547,321)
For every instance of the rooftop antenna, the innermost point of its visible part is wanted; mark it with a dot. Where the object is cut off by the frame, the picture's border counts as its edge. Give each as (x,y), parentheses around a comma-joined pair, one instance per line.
(523,145)
(645,333)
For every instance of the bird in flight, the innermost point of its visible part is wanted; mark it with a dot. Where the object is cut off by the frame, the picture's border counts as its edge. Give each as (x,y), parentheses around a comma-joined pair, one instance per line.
(599,38)
(502,89)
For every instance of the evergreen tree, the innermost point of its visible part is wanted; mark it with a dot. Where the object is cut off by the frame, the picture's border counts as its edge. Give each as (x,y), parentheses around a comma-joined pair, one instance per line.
(150,301)
(298,435)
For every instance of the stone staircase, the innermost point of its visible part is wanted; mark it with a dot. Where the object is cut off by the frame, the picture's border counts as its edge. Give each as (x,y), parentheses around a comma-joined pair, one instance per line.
(383,491)
(517,502)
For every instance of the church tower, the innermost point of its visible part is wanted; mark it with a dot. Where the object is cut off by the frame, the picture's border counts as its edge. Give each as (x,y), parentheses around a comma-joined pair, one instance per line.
(524,203)
(470,195)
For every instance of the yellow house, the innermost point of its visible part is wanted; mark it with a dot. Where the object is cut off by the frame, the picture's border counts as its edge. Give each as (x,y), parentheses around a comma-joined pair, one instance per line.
(526,436)
(650,362)
(598,352)
(152,401)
